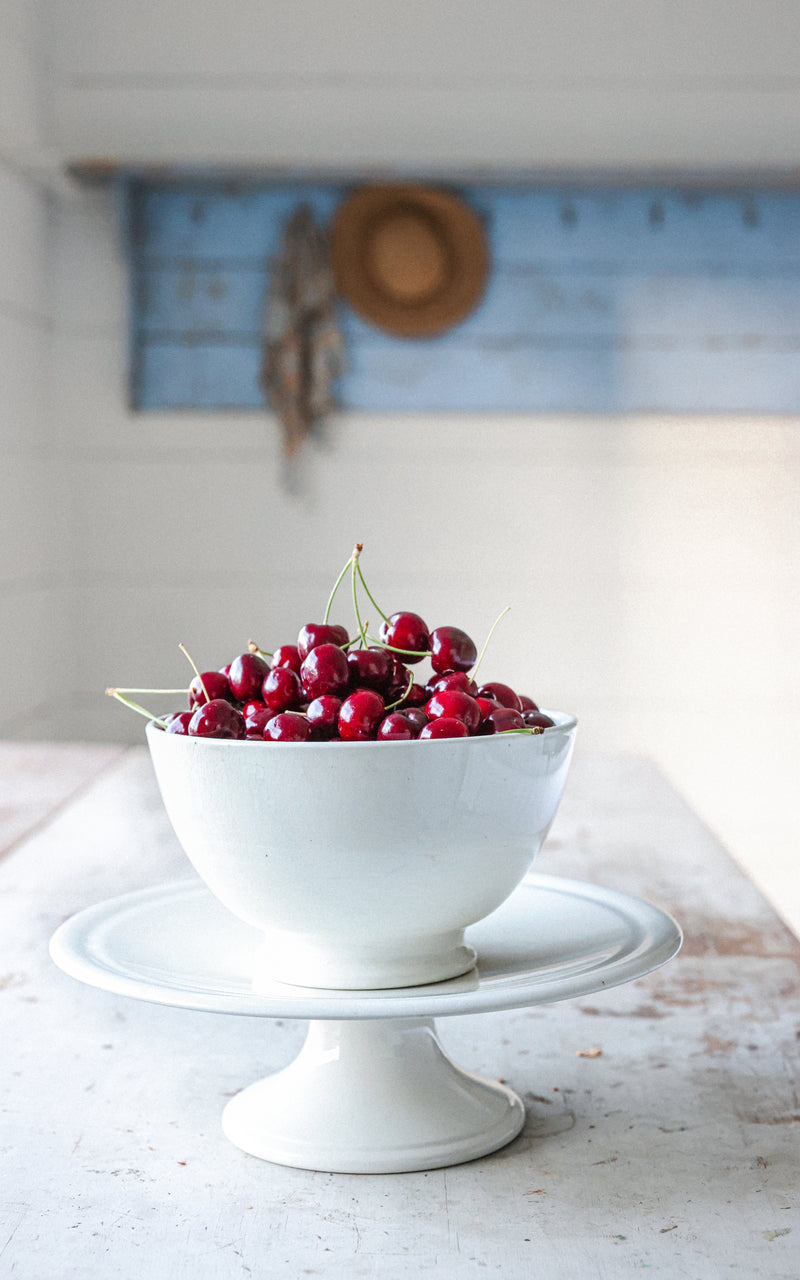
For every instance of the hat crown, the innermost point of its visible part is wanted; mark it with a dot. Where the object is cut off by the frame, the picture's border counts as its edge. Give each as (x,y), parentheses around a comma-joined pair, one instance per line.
(407,256)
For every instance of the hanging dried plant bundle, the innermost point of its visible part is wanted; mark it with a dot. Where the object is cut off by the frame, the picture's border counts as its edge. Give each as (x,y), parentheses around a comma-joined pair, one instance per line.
(304,351)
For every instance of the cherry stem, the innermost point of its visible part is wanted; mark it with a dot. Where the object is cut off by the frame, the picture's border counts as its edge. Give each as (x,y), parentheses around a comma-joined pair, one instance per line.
(354,580)
(482,653)
(404,694)
(252,647)
(134,706)
(369,593)
(185,651)
(413,653)
(119,689)
(336,587)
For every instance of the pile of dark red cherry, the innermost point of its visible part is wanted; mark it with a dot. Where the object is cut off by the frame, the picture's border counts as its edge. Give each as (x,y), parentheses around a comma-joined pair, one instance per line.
(325,688)
(328,687)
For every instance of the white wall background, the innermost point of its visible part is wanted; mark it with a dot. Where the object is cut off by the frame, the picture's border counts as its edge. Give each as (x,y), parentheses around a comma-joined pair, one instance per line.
(624,83)
(28,582)
(651,563)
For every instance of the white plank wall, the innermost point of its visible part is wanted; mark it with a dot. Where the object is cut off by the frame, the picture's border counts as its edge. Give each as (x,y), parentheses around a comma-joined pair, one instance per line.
(429,83)
(651,561)
(20,65)
(28,577)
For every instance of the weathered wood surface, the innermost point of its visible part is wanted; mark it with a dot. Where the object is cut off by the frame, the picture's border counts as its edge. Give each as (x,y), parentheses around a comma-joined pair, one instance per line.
(674,1150)
(37,777)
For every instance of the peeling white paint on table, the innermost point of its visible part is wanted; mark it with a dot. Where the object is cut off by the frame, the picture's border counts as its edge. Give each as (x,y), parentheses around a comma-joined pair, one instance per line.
(674,1149)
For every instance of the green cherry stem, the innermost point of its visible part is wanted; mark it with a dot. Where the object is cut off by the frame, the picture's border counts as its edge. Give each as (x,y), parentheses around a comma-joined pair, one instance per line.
(482,653)
(369,593)
(413,653)
(252,647)
(362,631)
(337,585)
(119,689)
(404,694)
(185,651)
(134,706)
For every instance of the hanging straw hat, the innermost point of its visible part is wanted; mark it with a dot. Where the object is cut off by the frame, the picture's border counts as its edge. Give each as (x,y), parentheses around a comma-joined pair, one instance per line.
(412,260)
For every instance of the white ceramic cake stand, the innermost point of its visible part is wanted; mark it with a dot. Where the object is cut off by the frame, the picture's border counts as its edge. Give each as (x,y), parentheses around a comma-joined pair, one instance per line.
(372,1090)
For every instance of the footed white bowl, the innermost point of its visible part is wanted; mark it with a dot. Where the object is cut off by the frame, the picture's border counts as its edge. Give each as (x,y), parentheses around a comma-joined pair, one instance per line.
(362,863)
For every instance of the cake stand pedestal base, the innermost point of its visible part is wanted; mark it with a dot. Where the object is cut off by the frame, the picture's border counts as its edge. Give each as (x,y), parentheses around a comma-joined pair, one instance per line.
(372,1096)
(372,1090)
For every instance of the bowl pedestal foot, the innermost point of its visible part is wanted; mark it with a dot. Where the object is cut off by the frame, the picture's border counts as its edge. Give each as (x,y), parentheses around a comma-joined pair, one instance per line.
(301,960)
(372,1096)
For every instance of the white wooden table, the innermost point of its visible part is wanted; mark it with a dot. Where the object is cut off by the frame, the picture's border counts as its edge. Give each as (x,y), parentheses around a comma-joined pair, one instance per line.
(675,1149)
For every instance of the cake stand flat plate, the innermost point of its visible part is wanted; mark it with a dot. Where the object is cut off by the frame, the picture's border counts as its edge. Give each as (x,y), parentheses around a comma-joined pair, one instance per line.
(175,944)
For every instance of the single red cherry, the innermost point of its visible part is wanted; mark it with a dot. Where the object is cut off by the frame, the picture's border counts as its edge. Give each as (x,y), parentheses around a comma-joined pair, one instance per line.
(454,702)
(526,703)
(247,673)
(453,680)
(370,669)
(256,714)
(537,720)
(416,717)
(325,670)
(226,671)
(487,706)
(217,719)
(395,728)
(360,714)
(452,650)
(501,693)
(178,722)
(398,680)
(503,719)
(282,690)
(287,726)
(416,696)
(314,633)
(323,716)
(287,655)
(444,727)
(407,631)
(213,683)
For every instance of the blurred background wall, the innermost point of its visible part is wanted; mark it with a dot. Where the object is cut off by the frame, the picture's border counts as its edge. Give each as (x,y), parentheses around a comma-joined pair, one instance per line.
(651,561)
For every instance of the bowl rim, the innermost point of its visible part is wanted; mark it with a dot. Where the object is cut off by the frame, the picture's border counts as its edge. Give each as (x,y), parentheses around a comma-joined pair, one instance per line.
(567,722)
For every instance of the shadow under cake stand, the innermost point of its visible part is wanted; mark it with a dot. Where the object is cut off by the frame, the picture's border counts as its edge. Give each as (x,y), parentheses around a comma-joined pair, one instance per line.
(372,1090)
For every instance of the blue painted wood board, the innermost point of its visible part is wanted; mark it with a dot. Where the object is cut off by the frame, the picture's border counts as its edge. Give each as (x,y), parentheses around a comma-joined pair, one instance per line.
(601,300)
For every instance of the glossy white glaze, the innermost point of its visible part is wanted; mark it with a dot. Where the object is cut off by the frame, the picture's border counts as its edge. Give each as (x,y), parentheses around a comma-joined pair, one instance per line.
(373,1097)
(372,1090)
(552,940)
(363,863)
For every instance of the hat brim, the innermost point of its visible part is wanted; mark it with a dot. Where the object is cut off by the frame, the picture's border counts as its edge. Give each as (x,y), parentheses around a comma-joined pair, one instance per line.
(460,239)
